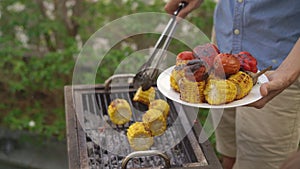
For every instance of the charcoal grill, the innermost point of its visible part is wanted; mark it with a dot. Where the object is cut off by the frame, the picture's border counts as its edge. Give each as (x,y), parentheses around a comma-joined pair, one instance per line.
(84,152)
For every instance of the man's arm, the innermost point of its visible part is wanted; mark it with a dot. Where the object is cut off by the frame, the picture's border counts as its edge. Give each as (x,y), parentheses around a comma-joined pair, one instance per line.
(286,74)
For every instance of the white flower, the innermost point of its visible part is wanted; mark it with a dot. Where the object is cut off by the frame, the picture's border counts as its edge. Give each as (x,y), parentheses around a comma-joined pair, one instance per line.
(16,7)
(21,36)
(49,9)
(31,123)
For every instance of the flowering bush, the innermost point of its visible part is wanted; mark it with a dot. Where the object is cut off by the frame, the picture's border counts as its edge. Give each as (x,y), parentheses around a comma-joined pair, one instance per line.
(39,43)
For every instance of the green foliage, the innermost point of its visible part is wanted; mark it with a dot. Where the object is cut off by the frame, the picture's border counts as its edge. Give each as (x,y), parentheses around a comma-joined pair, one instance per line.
(203,18)
(38,52)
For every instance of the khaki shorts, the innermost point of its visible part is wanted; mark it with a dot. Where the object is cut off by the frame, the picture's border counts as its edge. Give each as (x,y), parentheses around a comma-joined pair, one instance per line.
(262,138)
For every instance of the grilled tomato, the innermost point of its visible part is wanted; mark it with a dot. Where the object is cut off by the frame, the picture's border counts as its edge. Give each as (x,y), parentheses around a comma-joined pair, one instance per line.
(226,63)
(184,57)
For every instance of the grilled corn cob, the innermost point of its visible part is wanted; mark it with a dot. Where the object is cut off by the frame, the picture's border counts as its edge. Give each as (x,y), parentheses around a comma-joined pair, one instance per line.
(191,91)
(119,111)
(218,91)
(174,84)
(139,136)
(160,105)
(243,82)
(155,121)
(144,97)
(176,74)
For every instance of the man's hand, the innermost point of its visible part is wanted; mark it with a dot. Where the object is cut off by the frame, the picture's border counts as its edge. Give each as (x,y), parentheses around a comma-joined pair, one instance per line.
(286,74)
(278,81)
(172,5)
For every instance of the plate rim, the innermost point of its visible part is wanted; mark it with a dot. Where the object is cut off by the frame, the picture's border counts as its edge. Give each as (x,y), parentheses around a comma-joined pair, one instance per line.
(164,77)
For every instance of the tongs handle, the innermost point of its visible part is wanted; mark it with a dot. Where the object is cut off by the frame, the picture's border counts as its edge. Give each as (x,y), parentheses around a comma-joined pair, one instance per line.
(164,40)
(148,72)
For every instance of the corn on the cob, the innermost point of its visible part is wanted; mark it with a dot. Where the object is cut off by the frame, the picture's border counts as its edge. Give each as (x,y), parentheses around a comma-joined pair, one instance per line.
(173,84)
(243,82)
(160,105)
(139,136)
(144,97)
(218,91)
(119,111)
(191,91)
(155,121)
(176,74)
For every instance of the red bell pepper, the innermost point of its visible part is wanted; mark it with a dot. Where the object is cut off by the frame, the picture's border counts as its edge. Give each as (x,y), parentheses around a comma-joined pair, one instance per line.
(247,62)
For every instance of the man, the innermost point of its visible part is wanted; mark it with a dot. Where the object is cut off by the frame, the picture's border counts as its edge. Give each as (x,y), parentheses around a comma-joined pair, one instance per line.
(264,134)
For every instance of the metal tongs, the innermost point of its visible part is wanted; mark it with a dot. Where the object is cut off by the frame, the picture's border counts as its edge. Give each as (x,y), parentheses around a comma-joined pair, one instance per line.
(148,72)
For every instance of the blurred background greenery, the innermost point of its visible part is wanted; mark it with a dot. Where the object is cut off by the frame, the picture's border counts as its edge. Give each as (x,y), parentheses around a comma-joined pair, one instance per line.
(39,43)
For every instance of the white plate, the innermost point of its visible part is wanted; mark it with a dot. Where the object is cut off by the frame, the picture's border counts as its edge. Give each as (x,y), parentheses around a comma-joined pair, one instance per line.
(163,85)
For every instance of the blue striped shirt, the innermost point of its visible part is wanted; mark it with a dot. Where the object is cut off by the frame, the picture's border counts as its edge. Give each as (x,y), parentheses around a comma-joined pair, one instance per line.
(268,29)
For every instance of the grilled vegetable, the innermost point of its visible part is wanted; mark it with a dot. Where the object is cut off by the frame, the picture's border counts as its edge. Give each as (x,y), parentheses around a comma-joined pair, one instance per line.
(207,53)
(184,57)
(191,91)
(173,83)
(160,105)
(196,70)
(226,64)
(218,91)
(243,82)
(247,61)
(144,97)
(139,136)
(155,121)
(176,74)
(119,111)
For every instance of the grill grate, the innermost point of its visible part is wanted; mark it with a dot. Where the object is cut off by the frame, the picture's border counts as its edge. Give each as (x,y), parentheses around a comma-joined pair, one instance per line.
(93,147)
(100,158)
